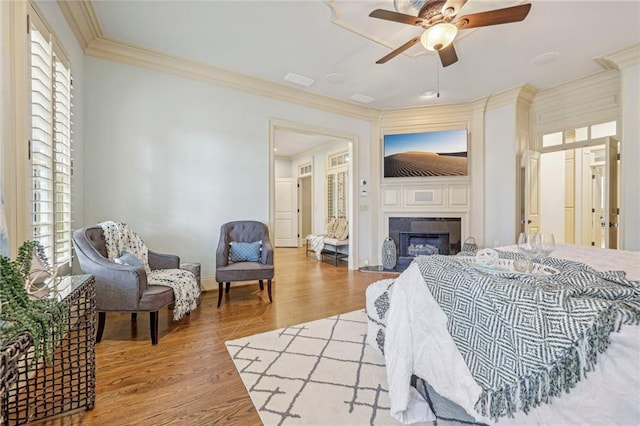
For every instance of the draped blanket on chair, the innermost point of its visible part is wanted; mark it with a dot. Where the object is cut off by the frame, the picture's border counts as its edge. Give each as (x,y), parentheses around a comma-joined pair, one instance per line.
(120,237)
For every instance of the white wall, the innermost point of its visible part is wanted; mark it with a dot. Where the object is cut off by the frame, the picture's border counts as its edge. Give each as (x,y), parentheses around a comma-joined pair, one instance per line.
(500,176)
(630,158)
(177,158)
(552,185)
(283,169)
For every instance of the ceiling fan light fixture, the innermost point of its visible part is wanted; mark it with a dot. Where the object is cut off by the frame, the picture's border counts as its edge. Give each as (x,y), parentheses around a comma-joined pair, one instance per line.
(438,36)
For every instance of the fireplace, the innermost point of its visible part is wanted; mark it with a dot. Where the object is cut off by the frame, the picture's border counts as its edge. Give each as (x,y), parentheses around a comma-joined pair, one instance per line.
(419,236)
(418,244)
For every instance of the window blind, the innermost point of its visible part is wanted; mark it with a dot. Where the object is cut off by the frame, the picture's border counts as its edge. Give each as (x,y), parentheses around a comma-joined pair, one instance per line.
(50,152)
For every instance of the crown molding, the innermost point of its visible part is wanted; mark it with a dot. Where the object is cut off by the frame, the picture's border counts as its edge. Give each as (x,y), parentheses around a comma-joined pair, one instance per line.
(84,22)
(141,56)
(511,96)
(620,59)
(82,19)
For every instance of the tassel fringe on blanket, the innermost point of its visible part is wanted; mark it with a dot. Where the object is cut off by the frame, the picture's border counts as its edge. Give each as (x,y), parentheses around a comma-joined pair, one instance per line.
(537,388)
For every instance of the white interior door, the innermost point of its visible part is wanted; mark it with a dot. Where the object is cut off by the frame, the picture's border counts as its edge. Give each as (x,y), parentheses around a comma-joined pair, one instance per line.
(531,220)
(286,215)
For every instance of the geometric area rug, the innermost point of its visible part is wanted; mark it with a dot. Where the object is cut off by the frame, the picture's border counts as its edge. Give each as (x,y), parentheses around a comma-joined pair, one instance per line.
(320,373)
(317,373)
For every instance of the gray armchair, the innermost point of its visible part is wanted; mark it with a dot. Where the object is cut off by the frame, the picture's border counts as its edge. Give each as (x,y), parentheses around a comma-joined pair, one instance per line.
(122,288)
(247,231)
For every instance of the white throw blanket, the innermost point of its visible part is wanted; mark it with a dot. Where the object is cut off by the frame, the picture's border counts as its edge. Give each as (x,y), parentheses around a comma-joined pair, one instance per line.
(120,237)
(317,244)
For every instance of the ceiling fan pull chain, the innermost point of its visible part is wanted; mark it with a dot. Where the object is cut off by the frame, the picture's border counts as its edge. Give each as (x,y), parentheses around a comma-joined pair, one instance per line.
(437,80)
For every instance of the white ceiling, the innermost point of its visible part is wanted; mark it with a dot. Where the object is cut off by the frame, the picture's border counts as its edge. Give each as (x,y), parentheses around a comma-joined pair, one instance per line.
(290,143)
(268,39)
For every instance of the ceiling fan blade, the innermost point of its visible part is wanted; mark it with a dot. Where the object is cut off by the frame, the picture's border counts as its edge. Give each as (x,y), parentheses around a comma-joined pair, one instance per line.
(494,17)
(399,50)
(454,5)
(448,55)
(396,17)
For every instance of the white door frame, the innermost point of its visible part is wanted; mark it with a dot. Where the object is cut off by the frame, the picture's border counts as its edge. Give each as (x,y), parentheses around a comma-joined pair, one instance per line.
(353,173)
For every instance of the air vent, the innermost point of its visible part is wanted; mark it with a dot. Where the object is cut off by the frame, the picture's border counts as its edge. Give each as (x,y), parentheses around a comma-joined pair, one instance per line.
(362,98)
(299,79)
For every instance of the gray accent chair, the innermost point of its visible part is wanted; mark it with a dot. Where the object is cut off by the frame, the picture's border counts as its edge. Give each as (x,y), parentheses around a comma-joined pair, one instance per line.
(246,231)
(122,288)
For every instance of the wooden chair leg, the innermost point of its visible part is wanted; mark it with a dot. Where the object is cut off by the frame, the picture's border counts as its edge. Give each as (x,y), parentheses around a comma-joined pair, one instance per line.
(269,290)
(261,282)
(153,327)
(134,316)
(228,288)
(219,294)
(102,318)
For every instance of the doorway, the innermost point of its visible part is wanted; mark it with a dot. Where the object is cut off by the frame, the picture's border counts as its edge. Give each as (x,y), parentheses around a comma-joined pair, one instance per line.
(326,141)
(305,208)
(577,188)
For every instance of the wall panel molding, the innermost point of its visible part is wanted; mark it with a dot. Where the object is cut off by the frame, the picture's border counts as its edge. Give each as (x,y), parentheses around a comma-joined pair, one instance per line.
(577,103)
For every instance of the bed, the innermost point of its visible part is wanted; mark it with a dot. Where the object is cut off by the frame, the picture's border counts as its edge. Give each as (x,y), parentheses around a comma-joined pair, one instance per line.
(605,391)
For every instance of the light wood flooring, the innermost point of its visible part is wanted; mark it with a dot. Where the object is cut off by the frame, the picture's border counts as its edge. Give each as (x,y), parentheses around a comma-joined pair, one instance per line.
(189,378)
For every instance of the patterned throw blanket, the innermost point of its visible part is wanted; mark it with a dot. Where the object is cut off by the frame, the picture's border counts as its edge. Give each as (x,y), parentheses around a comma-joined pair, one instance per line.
(526,338)
(120,237)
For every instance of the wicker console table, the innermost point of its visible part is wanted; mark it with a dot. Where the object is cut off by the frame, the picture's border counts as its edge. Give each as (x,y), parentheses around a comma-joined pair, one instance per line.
(68,383)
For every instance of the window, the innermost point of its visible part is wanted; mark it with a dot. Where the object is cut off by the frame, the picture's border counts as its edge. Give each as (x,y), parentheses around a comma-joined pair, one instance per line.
(552,139)
(337,160)
(337,172)
(582,134)
(603,130)
(304,170)
(50,144)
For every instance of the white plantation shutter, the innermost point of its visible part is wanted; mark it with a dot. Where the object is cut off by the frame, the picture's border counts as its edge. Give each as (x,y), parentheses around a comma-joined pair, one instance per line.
(62,159)
(337,173)
(50,145)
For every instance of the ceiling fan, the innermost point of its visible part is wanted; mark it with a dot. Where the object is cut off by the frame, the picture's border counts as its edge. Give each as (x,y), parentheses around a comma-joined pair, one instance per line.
(440,20)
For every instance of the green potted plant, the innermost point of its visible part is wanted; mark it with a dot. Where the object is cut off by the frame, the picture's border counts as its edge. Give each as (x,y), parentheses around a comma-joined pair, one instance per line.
(44,319)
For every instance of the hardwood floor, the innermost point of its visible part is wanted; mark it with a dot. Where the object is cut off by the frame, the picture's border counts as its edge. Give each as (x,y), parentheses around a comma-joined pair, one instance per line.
(189,378)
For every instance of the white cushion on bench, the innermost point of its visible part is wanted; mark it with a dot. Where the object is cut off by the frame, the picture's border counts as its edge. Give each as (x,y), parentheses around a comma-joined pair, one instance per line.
(337,243)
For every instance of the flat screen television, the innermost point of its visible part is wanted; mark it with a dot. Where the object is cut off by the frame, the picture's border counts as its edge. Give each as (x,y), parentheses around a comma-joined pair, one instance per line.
(439,153)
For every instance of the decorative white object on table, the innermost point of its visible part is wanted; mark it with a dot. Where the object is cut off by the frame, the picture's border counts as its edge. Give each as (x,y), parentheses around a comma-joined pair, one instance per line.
(487,257)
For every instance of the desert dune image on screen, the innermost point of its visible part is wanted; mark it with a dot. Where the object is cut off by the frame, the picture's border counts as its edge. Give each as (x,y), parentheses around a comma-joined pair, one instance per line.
(442,153)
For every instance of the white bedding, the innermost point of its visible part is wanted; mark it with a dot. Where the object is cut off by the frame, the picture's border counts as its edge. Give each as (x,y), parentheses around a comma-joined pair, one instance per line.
(417,342)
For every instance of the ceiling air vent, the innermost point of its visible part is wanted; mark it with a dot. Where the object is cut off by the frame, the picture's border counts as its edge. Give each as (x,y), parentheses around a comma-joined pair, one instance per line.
(362,98)
(299,79)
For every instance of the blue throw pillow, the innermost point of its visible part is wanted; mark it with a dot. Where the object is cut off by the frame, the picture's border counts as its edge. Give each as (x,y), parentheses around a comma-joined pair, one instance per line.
(128,259)
(245,252)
